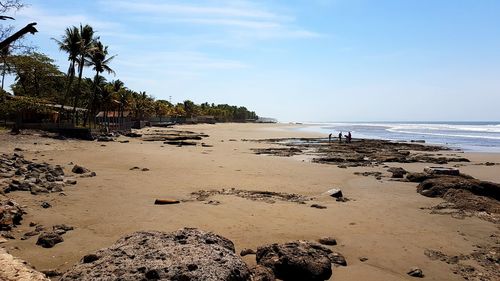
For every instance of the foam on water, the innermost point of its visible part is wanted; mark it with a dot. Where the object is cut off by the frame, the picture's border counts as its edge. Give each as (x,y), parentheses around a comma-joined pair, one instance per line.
(474,136)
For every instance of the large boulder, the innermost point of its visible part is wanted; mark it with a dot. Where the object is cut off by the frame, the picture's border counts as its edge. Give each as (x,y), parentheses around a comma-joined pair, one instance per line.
(297,260)
(49,239)
(437,187)
(186,254)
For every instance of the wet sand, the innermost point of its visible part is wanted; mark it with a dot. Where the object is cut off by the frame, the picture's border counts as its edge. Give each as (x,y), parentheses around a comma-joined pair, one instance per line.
(384,221)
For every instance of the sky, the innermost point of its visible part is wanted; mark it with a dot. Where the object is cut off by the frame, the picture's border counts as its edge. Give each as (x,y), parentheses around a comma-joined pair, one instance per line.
(297,60)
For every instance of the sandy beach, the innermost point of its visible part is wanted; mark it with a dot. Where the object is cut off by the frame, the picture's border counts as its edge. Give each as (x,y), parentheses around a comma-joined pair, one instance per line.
(385,221)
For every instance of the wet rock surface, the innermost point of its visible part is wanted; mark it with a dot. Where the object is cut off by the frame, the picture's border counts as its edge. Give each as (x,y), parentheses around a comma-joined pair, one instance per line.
(298,260)
(186,254)
(360,152)
(265,196)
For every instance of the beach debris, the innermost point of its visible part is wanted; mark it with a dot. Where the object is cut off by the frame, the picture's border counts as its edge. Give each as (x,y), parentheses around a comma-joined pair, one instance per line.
(246,252)
(335,193)
(206,145)
(265,196)
(134,168)
(166,201)
(397,172)
(262,273)
(145,169)
(363,259)
(442,171)
(185,254)
(49,239)
(298,260)
(317,206)
(416,272)
(329,241)
(11,214)
(77,169)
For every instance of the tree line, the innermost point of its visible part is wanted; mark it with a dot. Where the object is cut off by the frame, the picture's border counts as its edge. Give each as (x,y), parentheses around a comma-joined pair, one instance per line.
(38,79)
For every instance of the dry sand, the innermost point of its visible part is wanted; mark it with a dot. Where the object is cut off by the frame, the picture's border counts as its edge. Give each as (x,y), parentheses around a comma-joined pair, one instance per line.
(384,222)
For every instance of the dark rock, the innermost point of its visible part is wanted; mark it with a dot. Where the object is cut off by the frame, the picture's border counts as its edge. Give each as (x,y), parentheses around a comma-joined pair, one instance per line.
(49,239)
(337,258)
(246,252)
(298,260)
(437,187)
(363,259)
(11,214)
(417,177)
(45,205)
(79,170)
(62,228)
(335,193)
(90,258)
(71,181)
(261,273)
(317,206)
(186,254)
(397,173)
(416,272)
(330,241)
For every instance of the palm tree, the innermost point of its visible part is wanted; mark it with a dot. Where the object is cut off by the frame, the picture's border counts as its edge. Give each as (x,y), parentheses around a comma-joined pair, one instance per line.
(70,44)
(86,45)
(97,58)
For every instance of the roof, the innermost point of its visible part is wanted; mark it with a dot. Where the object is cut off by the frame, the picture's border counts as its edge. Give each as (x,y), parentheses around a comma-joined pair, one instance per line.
(113,114)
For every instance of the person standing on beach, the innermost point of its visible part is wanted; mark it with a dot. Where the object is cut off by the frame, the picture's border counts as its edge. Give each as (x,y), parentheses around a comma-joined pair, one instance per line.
(340,137)
(329,138)
(349,137)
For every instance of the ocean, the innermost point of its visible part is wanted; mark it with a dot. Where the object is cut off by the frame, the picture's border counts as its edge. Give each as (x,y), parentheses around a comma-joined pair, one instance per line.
(468,136)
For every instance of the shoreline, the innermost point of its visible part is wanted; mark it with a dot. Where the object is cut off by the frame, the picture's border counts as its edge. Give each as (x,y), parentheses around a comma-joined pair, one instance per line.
(383,221)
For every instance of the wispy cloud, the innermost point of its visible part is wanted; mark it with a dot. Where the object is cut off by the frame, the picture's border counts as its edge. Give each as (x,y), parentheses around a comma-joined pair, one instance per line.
(232,17)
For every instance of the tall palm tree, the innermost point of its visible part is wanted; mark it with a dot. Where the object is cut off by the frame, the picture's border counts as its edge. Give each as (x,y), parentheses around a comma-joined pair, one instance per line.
(99,60)
(70,43)
(86,46)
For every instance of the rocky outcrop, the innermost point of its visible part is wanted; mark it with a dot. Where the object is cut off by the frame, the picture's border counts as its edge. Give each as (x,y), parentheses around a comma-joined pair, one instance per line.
(298,260)
(13,269)
(437,187)
(186,254)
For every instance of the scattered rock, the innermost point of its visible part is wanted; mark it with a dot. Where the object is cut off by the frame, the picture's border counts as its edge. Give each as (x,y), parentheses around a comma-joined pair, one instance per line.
(45,205)
(363,259)
(144,169)
(416,272)
(11,214)
(71,181)
(79,170)
(330,241)
(397,173)
(62,228)
(335,193)
(317,206)
(186,254)
(298,260)
(49,239)
(246,252)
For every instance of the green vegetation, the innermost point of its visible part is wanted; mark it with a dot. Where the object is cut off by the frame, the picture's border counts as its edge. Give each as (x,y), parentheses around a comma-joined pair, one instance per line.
(39,81)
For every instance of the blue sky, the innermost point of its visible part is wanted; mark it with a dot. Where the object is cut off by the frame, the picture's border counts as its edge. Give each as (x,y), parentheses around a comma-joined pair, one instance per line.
(302,60)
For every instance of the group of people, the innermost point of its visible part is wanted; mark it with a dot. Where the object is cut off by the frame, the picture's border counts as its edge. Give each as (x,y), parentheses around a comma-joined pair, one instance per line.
(348,137)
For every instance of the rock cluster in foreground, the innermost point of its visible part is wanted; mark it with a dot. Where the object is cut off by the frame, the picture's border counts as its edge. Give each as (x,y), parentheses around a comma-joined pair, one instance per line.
(192,254)
(186,254)
(20,174)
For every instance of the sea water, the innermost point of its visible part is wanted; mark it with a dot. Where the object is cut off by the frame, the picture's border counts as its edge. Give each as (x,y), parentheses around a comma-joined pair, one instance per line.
(469,136)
